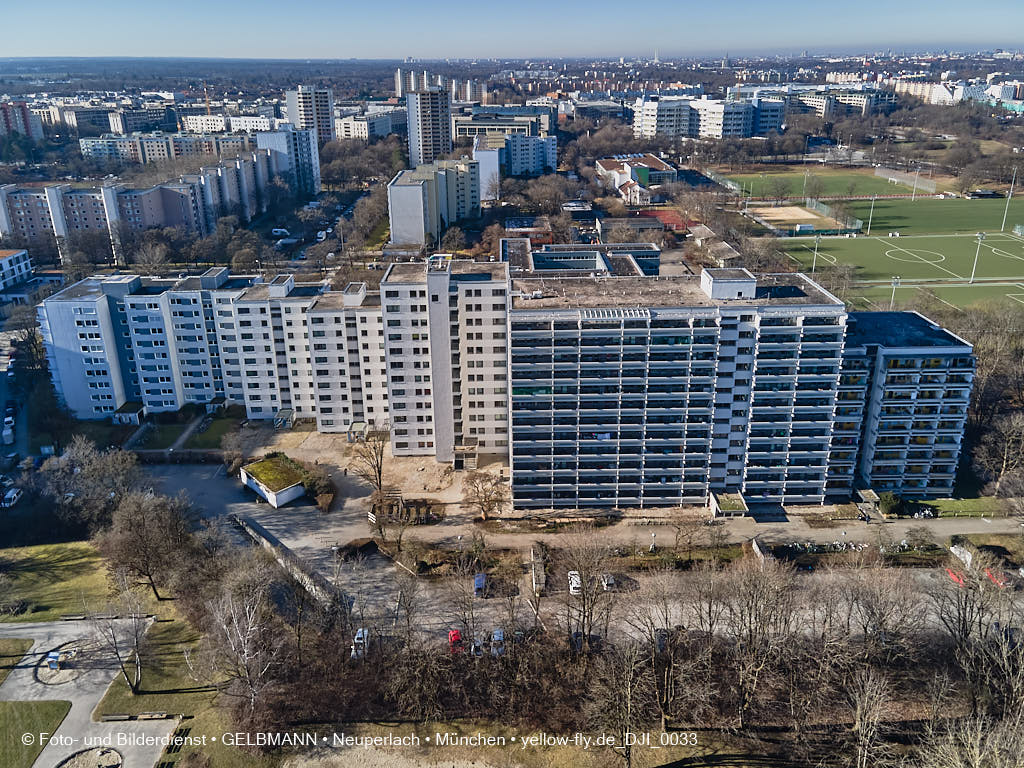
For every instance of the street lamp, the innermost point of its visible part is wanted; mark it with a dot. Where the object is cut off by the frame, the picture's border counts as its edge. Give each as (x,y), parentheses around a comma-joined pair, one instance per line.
(895,285)
(1009,195)
(814,263)
(653,535)
(977,252)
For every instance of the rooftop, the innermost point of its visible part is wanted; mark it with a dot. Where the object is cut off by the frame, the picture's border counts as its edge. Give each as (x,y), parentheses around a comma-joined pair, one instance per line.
(677,291)
(7,252)
(897,329)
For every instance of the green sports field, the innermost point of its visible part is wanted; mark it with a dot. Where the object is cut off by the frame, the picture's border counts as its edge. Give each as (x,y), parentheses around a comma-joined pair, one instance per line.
(879,297)
(835,183)
(932,215)
(941,258)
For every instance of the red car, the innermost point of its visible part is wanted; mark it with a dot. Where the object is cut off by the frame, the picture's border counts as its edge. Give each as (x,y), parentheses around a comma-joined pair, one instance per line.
(454,641)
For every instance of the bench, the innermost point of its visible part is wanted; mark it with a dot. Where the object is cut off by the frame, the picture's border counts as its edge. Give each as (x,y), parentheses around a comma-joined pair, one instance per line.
(113,718)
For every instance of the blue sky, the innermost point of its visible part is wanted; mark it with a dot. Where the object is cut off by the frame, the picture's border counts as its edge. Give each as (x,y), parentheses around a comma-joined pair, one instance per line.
(481,28)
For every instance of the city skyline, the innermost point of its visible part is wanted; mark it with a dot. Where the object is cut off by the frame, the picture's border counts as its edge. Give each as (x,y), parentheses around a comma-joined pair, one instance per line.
(346,33)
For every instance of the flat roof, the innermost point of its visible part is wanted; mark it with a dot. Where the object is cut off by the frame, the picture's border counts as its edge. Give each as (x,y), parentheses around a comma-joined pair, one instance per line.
(415,272)
(6,252)
(897,329)
(677,291)
(89,287)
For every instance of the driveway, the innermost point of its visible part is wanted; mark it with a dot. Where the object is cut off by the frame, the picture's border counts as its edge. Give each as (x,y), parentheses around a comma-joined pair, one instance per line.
(84,692)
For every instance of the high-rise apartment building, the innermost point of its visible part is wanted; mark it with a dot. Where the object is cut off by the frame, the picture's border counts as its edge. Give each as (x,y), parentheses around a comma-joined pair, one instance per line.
(311,108)
(604,388)
(425,201)
(430,132)
(705,118)
(295,157)
(16,117)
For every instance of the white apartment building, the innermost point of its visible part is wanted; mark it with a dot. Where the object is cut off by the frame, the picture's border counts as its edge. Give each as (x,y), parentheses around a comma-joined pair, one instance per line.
(363,127)
(312,109)
(705,118)
(422,203)
(514,155)
(160,343)
(446,325)
(15,267)
(607,391)
(157,147)
(204,123)
(17,118)
(251,123)
(294,156)
(430,133)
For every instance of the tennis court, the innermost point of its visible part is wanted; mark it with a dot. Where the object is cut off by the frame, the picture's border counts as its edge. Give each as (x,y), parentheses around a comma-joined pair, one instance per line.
(942,258)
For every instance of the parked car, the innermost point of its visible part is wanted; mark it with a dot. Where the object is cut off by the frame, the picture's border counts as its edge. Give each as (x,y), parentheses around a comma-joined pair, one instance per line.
(476,649)
(607,582)
(280,232)
(479,585)
(11,497)
(5,481)
(575,583)
(8,421)
(359,643)
(497,642)
(454,641)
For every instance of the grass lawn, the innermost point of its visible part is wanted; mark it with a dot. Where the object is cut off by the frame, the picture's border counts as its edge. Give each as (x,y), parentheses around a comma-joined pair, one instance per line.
(983,506)
(1009,546)
(12,650)
(836,182)
(18,717)
(929,215)
(162,436)
(55,579)
(102,433)
(877,297)
(378,237)
(167,687)
(941,258)
(220,426)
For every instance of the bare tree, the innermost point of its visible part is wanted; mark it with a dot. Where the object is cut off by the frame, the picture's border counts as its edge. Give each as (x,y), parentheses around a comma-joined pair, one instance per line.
(152,257)
(1000,451)
(621,700)
(486,493)
(121,629)
(868,697)
(368,458)
(589,612)
(240,652)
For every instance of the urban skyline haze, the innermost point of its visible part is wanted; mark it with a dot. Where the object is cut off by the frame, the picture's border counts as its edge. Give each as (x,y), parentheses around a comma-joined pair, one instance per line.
(467,30)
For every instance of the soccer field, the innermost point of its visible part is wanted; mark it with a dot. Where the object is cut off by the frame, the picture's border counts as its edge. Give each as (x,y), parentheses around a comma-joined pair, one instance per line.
(879,297)
(931,215)
(834,183)
(942,258)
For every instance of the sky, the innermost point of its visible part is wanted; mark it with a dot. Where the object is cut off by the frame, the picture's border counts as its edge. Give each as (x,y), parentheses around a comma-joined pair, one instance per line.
(341,29)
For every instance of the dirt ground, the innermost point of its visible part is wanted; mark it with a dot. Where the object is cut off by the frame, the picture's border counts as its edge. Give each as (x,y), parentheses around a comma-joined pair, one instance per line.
(790,215)
(415,476)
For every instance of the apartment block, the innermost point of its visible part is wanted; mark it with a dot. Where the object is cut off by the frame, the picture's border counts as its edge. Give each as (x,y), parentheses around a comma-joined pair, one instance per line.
(15,267)
(604,385)
(294,156)
(312,109)
(423,202)
(16,117)
(192,203)
(430,134)
(446,325)
(705,118)
(157,344)
(158,147)
(363,127)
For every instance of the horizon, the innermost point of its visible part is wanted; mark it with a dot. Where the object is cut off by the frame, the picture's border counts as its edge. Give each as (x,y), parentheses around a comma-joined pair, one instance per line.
(316,30)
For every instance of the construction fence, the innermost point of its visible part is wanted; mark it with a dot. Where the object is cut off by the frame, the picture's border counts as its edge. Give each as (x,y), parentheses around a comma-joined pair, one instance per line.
(719,179)
(910,179)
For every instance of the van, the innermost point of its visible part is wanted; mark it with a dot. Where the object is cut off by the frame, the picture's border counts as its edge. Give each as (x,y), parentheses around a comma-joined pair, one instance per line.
(479,585)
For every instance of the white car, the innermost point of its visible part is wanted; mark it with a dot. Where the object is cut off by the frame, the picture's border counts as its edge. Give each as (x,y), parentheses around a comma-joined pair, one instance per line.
(575,583)
(8,421)
(607,582)
(12,497)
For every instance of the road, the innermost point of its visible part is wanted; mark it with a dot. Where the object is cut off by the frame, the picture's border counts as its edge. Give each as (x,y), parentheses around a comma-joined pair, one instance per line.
(84,692)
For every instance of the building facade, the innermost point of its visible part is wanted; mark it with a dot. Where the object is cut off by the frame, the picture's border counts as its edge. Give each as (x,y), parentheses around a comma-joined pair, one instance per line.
(604,389)
(17,118)
(422,203)
(158,147)
(294,156)
(363,127)
(312,109)
(680,117)
(430,135)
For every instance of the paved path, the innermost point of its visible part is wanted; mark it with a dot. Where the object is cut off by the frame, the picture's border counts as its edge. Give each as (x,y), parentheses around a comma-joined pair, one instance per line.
(84,693)
(187,432)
